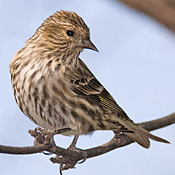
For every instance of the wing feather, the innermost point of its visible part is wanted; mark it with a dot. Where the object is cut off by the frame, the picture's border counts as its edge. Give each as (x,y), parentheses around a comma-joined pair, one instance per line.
(88,87)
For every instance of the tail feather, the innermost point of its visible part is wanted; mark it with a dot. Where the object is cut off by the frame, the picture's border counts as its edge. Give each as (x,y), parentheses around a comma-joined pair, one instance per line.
(153,137)
(140,135)
(139,138)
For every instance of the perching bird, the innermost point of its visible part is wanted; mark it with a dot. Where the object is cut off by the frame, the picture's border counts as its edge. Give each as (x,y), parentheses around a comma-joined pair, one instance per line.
(55,89)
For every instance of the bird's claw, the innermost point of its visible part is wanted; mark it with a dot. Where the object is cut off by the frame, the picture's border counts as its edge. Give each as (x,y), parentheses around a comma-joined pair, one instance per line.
(65,162)
(78,150)
(42,136)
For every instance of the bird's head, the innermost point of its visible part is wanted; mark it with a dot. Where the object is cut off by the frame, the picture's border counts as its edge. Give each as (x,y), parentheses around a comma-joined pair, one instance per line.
(64,32)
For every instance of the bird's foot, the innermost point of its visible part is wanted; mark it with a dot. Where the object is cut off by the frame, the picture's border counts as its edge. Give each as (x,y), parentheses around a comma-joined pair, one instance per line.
(78,150)
(42,136)
(72,147)
(120,137)
(65,162)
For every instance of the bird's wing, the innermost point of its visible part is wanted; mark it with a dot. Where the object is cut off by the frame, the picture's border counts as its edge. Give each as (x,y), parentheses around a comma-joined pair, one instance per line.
(90,88)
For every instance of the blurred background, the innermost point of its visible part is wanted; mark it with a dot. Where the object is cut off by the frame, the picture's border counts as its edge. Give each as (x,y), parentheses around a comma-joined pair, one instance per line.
(136,63)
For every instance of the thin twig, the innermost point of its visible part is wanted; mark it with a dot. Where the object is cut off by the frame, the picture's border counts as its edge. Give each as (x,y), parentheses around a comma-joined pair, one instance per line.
(24,150)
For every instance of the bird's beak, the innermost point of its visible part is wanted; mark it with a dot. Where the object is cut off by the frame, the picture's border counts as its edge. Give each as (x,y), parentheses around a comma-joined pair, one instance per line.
(88,45)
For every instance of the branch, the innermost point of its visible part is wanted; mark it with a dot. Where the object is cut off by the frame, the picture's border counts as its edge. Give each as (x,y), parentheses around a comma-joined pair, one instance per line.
(69,158)
(161,10)
(96,151)
(23,150)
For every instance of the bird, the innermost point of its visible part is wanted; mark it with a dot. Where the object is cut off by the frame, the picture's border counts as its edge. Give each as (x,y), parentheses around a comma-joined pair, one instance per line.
(55,89)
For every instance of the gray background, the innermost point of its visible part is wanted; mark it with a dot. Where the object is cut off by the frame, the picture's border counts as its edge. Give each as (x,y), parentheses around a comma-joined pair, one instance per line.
(136,64)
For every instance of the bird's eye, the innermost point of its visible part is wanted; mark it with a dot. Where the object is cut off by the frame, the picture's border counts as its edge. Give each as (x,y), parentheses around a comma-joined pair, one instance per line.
(70,33)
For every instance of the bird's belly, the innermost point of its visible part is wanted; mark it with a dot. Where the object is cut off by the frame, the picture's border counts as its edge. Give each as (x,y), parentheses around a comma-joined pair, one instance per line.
(54,106)
(54,114)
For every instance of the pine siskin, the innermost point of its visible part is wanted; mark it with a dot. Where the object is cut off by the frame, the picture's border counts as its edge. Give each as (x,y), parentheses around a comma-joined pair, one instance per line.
(56,90)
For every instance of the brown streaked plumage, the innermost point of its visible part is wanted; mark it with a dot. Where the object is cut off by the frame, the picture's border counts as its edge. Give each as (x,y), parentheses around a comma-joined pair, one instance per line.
(56,90)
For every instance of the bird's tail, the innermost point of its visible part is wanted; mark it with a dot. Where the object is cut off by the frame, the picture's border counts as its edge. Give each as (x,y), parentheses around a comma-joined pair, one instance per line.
(140,135)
